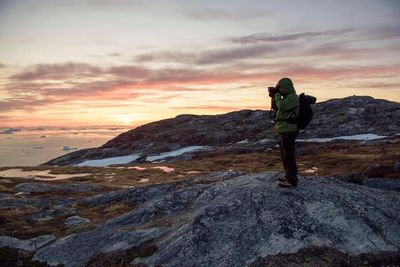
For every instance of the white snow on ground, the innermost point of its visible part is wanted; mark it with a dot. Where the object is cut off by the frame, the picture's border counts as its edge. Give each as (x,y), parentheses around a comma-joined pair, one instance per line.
(164,168)
(136,168)
(243,142)
(263,141)
(312,170)
(174,153)
(109,161)
(358,137)
(129,158)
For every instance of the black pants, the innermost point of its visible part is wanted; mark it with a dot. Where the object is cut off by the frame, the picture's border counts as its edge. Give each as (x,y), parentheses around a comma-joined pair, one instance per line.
(287,147)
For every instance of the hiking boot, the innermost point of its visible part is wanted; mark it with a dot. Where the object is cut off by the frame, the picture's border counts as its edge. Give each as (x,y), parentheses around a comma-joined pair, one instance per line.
(287,184)
(282,179)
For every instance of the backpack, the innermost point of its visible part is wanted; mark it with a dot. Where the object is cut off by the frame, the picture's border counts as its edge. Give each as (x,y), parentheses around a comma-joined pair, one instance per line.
(306,113)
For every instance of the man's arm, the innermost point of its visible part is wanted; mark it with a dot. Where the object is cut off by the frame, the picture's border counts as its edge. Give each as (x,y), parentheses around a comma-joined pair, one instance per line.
(273,104)
(287,103)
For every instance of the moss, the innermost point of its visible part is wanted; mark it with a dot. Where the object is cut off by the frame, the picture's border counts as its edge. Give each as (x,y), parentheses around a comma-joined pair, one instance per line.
(102,213)
(123,258)
(15,257)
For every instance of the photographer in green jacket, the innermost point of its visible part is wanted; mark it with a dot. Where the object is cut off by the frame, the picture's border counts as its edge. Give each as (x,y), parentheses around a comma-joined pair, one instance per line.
(285,103)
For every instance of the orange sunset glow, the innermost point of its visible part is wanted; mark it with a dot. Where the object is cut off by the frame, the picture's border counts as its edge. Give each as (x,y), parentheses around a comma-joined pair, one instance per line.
(126,63)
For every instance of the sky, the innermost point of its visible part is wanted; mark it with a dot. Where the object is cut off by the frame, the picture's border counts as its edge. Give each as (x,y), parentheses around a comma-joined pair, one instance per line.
(102,62)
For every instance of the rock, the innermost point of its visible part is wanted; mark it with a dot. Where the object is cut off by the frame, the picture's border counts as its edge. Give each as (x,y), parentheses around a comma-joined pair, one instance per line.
(232,219)
(141,159)
(48,214)
(5,196)
(28,245)
(327,257)
(235,221)
(140,194)
(78,249)
(9,201)
(380,183)
(38,187)
(76,220)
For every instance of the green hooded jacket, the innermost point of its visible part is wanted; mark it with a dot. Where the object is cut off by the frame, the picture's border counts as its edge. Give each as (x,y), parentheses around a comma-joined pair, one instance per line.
(287,103)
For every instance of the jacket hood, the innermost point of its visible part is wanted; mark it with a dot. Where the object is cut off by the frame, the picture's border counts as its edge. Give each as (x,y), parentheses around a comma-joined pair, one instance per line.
(286,86)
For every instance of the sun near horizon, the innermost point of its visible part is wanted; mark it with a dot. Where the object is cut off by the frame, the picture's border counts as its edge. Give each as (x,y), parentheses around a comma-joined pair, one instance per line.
(127,63)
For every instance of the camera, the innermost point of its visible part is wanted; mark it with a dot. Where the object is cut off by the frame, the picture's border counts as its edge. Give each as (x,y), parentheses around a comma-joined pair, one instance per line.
(272,91)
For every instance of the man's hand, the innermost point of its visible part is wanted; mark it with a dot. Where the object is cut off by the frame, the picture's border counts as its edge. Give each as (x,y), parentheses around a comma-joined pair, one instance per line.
(272,91)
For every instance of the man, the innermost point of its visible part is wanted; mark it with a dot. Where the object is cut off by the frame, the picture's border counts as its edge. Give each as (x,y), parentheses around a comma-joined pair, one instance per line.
(285,102)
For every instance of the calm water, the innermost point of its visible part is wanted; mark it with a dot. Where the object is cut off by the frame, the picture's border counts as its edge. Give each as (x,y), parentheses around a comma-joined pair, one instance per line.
(33,147)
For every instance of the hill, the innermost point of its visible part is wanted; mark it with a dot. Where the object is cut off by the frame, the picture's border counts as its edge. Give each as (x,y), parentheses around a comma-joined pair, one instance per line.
(337,117)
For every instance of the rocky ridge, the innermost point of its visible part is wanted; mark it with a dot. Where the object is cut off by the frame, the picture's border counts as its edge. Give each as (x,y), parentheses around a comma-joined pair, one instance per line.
(336,117)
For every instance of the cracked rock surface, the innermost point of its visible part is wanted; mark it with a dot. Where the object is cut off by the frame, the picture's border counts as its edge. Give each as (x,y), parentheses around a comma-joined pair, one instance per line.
(233,219)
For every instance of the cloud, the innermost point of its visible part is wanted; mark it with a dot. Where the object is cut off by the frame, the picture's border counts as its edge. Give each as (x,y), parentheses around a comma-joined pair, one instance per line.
(132,72)
(225,55)
(27,104)
(57,71)
(340,51)
(115,54)
(44,85)
(207,14)
(383,32)
(265,37)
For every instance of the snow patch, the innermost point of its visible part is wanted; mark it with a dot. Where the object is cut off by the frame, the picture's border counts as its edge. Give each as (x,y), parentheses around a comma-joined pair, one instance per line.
(136,168)
(174,153)
(243,142)
(109,161)
(312,170)
(164,168)
(129,158)
(357,137)
(267,140)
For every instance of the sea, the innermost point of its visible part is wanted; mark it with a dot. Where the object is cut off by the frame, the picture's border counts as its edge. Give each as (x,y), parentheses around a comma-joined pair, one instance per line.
(35,146)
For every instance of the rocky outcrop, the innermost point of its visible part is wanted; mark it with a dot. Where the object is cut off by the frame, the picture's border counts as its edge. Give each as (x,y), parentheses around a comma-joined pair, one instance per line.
(336,117)
(27,245)
(49,187)
(236,219)
(76,220)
